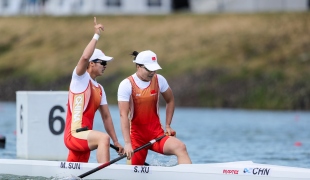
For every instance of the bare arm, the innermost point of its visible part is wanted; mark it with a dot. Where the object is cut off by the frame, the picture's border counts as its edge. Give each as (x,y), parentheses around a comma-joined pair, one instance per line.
(169,98)
(108,124)
(124,110)
(88,51)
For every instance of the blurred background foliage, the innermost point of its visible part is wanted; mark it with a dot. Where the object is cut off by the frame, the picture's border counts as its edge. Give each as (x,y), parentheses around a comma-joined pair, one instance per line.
(251,61)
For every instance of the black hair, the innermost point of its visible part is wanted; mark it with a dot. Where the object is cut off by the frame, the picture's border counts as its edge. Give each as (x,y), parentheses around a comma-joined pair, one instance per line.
(135,54)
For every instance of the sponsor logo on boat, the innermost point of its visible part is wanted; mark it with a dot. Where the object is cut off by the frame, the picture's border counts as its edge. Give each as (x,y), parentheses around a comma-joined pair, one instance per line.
(70,165)
(142,169)
(257,171)
(229,171)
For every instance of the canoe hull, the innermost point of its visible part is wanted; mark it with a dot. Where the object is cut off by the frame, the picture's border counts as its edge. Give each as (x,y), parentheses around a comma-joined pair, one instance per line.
(244,170)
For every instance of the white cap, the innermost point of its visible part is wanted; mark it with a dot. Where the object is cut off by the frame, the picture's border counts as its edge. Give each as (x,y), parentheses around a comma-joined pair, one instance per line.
(98,54)
(148,59)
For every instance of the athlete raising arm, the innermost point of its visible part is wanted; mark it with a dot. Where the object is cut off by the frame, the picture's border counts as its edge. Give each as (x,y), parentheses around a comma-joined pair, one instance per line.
(86,96)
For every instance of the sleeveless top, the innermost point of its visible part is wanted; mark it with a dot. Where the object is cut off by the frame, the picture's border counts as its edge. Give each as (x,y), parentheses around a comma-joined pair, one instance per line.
(144,111)
(82,108)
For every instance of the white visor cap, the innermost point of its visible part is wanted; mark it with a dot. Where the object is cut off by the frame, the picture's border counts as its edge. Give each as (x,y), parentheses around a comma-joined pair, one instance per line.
(148,59)
(98,54)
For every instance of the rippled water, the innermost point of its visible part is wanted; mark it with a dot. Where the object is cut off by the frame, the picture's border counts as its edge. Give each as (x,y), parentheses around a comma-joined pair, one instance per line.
(213,135)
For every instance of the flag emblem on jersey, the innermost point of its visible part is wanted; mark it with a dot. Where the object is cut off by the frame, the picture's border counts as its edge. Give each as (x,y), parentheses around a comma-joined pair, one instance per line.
(154,58)
(153,91)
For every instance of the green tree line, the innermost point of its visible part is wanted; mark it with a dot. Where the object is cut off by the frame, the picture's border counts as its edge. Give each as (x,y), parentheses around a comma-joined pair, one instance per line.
(252,61)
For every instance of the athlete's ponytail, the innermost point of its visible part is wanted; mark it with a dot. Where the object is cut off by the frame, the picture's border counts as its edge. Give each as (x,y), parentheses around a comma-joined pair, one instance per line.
(135,54)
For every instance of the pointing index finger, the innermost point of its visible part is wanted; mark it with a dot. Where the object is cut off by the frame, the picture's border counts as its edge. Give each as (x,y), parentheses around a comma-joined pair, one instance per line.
(95,21)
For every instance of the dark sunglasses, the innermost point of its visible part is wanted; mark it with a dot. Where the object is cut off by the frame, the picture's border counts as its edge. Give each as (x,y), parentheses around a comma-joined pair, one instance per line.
(103,63)
(145,68)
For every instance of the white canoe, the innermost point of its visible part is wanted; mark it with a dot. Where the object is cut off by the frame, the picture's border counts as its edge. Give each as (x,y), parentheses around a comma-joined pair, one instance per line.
(243,170)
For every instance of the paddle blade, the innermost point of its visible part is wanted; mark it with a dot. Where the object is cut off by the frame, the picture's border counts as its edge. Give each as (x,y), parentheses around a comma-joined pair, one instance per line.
(71,178)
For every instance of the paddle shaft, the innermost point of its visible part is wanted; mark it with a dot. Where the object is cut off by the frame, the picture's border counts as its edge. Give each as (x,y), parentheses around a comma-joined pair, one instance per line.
(116,149)
(119,158)
(111,145)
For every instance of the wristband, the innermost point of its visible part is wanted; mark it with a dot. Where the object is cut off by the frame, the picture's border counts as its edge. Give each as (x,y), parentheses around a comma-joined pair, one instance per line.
(96,36)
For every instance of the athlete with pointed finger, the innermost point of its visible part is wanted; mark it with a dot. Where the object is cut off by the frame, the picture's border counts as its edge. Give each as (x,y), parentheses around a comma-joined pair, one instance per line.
(86,96)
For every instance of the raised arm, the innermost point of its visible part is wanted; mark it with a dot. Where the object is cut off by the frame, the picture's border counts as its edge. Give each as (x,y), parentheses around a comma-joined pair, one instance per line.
(89,49)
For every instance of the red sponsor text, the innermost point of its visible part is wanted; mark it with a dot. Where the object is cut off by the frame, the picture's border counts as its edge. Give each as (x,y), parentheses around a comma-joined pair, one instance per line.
(226,171)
